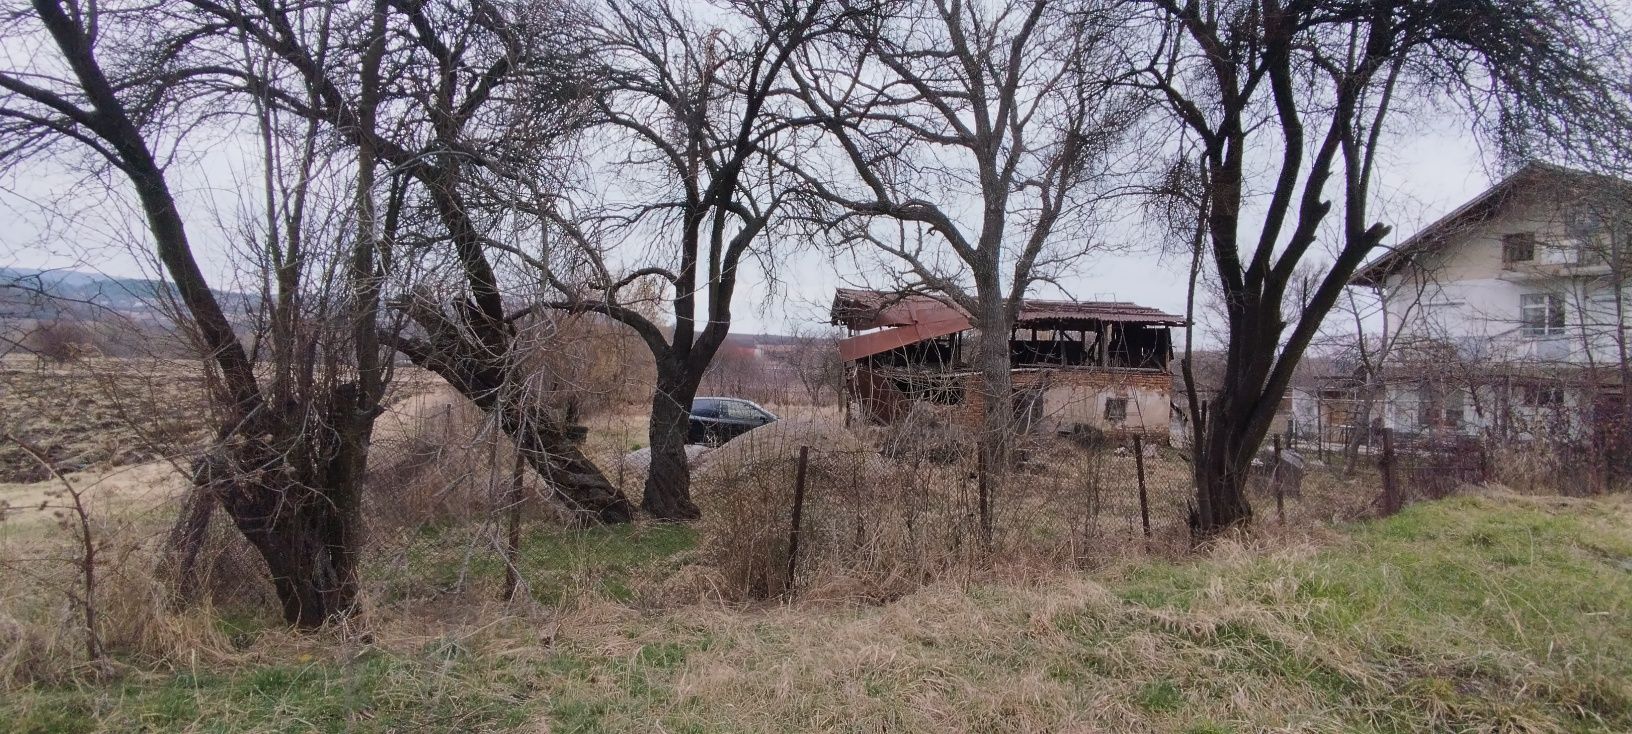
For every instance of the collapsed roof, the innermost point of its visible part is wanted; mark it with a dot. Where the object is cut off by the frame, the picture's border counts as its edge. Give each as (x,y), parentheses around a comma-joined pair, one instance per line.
(861,310)
(906,319)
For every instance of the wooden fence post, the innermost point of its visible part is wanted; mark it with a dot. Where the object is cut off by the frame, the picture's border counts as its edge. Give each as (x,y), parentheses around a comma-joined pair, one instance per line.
(1391,491)
(798,512)
(1139,467)
(512,541)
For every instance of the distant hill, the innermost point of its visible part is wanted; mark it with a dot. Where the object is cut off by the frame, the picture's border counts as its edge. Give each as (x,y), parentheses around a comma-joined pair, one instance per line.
(43,295)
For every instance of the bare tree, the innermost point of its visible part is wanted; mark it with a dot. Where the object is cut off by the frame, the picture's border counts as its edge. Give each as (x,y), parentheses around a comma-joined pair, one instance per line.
(690,100)
(477,92)
(1371,341)
(813,356)
(1306,89)
(964,141)
(289,454)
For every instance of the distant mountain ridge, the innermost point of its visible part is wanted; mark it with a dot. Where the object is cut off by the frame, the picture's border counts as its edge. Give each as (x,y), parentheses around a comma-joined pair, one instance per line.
(45,294)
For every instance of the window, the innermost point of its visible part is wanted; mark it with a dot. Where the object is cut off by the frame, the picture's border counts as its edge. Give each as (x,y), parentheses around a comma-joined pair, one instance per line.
(1589,253)
(1453,409)
(1541,314)
(1427,405)
(1543,396)
(1116,409)
(1439,406)
(1518,248)
(705,408)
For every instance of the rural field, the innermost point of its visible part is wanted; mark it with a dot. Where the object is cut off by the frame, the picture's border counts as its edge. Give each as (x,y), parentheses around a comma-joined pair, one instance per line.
(1485,611)
(659,366)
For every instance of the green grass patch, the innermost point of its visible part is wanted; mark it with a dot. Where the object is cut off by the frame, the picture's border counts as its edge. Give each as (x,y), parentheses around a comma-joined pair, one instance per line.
(559,566)
(1469,614)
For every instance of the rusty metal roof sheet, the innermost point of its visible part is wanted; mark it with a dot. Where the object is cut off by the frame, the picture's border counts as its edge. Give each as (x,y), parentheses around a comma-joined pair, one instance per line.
(868,309)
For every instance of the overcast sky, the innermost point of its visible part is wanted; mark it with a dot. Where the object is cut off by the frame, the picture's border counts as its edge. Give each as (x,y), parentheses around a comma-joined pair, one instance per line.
(1421,177)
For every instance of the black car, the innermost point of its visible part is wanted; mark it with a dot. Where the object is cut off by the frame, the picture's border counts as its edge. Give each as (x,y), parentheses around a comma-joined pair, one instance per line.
(717,420)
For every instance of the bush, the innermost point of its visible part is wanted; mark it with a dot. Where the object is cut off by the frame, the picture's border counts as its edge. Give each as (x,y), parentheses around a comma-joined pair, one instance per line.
(873,527)
(59,341)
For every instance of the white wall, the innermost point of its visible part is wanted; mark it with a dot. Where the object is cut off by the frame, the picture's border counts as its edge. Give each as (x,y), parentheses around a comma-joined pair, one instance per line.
(1463,294)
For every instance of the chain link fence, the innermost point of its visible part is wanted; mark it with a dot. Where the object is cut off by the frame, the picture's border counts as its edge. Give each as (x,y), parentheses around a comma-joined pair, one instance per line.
(817,506)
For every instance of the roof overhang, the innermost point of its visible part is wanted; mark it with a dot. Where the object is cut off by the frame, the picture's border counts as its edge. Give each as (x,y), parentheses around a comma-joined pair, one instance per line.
(1479,209)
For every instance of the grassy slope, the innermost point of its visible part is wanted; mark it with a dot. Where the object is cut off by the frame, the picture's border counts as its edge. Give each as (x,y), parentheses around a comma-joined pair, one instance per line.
(1473,614)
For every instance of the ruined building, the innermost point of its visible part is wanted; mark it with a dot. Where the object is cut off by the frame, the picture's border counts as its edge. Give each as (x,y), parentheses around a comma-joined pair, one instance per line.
(1075,364)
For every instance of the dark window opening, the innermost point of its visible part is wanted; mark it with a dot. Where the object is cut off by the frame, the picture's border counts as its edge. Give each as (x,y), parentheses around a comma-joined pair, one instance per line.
(1140,347)
(943,351)
(1043,346)
(1116,409)
(931,389)
(1518,248)
(1439,407)
(1543,396)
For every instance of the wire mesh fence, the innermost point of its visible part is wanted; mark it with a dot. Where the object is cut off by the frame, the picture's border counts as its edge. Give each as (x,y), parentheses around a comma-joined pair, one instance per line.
(452,527)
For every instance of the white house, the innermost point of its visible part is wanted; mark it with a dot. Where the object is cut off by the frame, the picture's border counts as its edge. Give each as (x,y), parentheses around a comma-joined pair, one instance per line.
(1508,314)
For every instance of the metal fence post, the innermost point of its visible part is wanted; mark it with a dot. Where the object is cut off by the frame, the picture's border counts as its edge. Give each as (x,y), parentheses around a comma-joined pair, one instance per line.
(1139,467)
(1275,478)
(798,512)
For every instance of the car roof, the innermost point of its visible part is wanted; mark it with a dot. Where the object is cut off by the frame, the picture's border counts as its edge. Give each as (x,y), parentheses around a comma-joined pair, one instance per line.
(701,398)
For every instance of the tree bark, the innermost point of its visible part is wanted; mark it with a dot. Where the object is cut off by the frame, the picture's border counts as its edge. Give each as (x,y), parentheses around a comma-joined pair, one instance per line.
(482,377)
(296,497)
(997,414)
(1231,436)
(578,483)
(668,480)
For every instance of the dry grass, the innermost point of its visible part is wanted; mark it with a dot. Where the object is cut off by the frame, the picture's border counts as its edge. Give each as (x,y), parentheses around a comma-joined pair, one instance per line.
(878,524)
(1496,613)
(1487,613)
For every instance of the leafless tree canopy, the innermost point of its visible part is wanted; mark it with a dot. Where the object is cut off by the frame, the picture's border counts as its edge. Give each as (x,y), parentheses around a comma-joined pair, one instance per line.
(1305,92)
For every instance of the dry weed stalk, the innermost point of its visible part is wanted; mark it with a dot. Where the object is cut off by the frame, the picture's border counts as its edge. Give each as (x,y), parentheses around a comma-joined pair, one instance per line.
(80,525)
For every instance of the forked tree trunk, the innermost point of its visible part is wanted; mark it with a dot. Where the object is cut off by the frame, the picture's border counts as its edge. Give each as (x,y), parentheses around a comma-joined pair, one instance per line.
(668,479)
(297,500)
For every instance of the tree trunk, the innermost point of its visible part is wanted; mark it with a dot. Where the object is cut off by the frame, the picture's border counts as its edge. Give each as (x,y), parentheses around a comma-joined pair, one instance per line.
(307,535)
(668,477)
(313,583)
(1362,419)
(541,438)
(1223,467)
(577,482)
(997,418)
